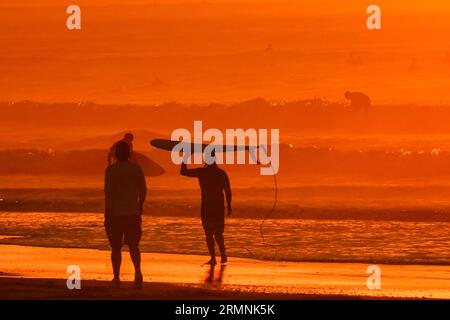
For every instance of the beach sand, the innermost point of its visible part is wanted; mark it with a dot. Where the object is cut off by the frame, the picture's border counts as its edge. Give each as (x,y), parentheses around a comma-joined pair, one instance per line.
(40,273)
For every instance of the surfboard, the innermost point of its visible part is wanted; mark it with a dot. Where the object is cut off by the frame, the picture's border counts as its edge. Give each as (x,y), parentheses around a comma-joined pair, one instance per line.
(149,167)
(168,145)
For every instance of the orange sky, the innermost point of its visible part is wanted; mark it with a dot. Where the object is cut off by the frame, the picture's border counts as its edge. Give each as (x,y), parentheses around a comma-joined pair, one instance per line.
(315,6)
(139,51)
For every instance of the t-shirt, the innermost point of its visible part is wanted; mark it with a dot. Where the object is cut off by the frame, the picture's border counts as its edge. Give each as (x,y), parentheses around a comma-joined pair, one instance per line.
(213,183)
(125,187)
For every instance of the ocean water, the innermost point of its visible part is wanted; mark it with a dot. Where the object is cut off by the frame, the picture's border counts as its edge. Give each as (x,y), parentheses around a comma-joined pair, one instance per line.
(391,242)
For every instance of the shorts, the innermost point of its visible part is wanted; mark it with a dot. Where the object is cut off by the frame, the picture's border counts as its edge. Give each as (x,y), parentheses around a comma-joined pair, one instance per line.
(124,229)
(213,218)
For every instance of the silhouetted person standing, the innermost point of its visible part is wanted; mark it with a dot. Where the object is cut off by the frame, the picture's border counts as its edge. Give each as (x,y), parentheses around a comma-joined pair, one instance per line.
(214,183)
(125,192)
(128,138)
(358,101)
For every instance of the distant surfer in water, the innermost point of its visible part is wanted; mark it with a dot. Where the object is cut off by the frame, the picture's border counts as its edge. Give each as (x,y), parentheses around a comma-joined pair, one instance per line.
(128,138)
(358,101)
(214,182)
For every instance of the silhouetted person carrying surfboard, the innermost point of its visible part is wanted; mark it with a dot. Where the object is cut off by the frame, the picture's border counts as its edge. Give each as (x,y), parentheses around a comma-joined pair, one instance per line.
(125,192)
(214,182)
(358,101)
(128,138)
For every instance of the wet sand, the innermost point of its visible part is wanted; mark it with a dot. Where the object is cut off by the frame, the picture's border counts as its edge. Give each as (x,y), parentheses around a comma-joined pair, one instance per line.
(23,288)
(33,272)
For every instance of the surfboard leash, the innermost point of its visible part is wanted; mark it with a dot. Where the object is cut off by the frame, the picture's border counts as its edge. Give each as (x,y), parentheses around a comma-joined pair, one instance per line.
(266,217)
(272,210)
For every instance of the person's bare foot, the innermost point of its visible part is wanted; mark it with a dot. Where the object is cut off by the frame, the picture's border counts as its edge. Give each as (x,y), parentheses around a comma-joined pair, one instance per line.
(224,260)
(115,283)
(138,281)
(211,262)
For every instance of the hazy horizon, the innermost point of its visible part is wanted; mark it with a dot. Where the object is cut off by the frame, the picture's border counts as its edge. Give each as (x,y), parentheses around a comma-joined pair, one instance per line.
(150,52)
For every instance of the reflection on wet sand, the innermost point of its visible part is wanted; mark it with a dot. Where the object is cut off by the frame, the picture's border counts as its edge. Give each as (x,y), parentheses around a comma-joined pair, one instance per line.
(210,276)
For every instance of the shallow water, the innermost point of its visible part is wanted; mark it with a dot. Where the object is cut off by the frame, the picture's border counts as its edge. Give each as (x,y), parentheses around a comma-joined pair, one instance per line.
(286,239)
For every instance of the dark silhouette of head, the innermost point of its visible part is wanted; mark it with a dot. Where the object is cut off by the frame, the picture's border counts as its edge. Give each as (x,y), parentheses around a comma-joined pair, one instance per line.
(122,151)
(347,95)
(213,159)
(128,137)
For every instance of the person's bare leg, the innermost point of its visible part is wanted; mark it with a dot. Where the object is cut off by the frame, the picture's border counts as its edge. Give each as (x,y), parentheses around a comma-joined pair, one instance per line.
(211,248)
(135,255)
(116,261)
(221,243)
